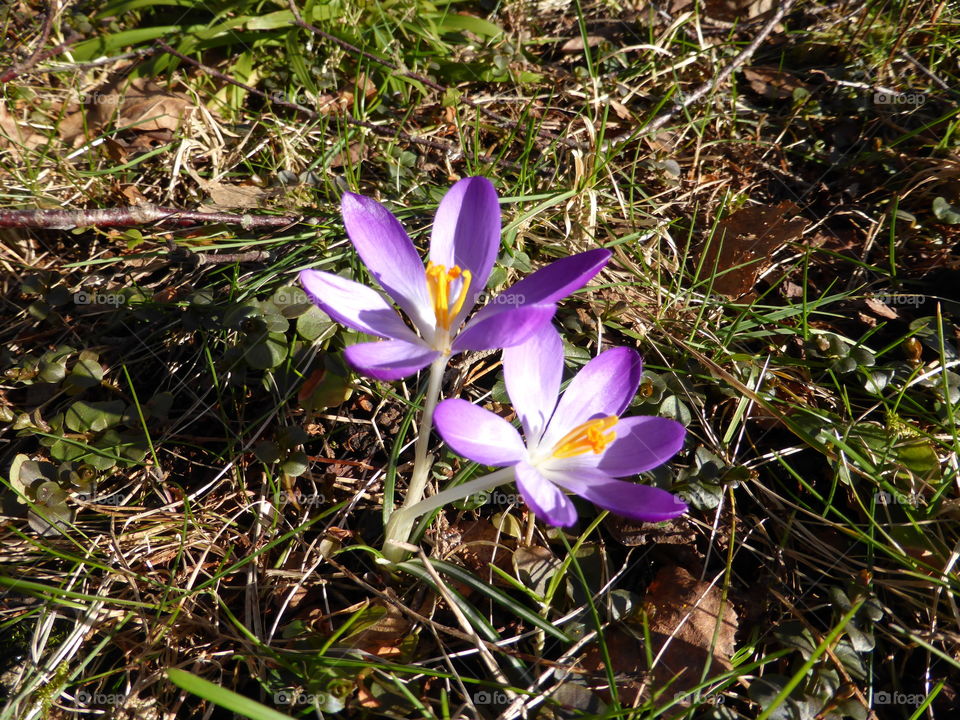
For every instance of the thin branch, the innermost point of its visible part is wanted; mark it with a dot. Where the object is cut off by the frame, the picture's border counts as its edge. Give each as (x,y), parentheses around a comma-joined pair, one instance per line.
(99,62)
(39,54)
(444,146)
(429,82)
(197,258)
(711,85)
(452,150)
(136,215)
(298,18)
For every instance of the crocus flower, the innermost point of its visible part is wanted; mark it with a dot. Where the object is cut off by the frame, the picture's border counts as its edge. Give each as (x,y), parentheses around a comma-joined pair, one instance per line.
(579,443)
(438,298)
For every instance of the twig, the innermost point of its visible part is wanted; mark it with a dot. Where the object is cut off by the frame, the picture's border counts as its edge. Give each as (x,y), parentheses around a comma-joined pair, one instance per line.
(430,83)
(100,62)
(135,215)
(711,85)
(298,19)
(446,147)
(39,54)
(230,258)
(452,150)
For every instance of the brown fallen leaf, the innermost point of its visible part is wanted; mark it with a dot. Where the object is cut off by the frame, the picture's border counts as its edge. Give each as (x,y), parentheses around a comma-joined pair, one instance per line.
(138,104)
(628,660)
(772,83)
(71,129)
(620,109)
(16,135)
(738,10)
(792,291)
(575,44)
(535,566)
(354,153)
(683,615)
(386,636)
(741,247)
(223,195)
(481,544)
(133,195)
(881,309)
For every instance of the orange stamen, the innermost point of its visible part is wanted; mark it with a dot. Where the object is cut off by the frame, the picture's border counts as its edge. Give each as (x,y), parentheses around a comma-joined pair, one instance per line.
(591,436)
(438,283)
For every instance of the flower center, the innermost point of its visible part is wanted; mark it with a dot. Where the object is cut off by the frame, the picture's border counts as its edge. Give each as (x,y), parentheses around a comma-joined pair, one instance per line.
(439,280)
(592,436)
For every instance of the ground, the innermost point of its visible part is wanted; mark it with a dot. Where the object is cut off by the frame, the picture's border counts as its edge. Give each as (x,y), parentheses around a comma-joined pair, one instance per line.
(195,483)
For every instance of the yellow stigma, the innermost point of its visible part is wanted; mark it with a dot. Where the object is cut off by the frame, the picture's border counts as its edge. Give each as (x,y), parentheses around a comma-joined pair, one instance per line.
(591,436)
(438,283)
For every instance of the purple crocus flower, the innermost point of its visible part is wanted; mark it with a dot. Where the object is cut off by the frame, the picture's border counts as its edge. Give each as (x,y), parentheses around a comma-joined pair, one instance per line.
(438,298)
(580,443)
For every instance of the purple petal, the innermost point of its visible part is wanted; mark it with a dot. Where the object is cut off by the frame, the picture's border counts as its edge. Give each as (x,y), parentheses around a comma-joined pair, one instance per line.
(387,252)
(545,499)
(602,388)
(389,359)
(466,233)
(532,371)
(550,283)
(636,502)
(642,443)
(354,305)
(503,329)
(478,434)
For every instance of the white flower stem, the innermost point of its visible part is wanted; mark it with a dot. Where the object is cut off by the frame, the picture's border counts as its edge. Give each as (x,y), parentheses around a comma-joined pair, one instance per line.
(401,522)
(421,463)
(397,529)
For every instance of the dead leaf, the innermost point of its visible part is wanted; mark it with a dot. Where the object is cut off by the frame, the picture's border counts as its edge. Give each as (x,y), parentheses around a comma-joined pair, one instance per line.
(16,135)
(385,636)
(683,615)
(134,196)
(741,247)
(621,110)
(481,544)
(628,660)
(772,83)
(792,291)
(734,10)
(576,44)
(223,195)
(364,86)
(232,196)
(536,567)
(140,104)
(147,106)
(355,153)
(71,129)
(881,309)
